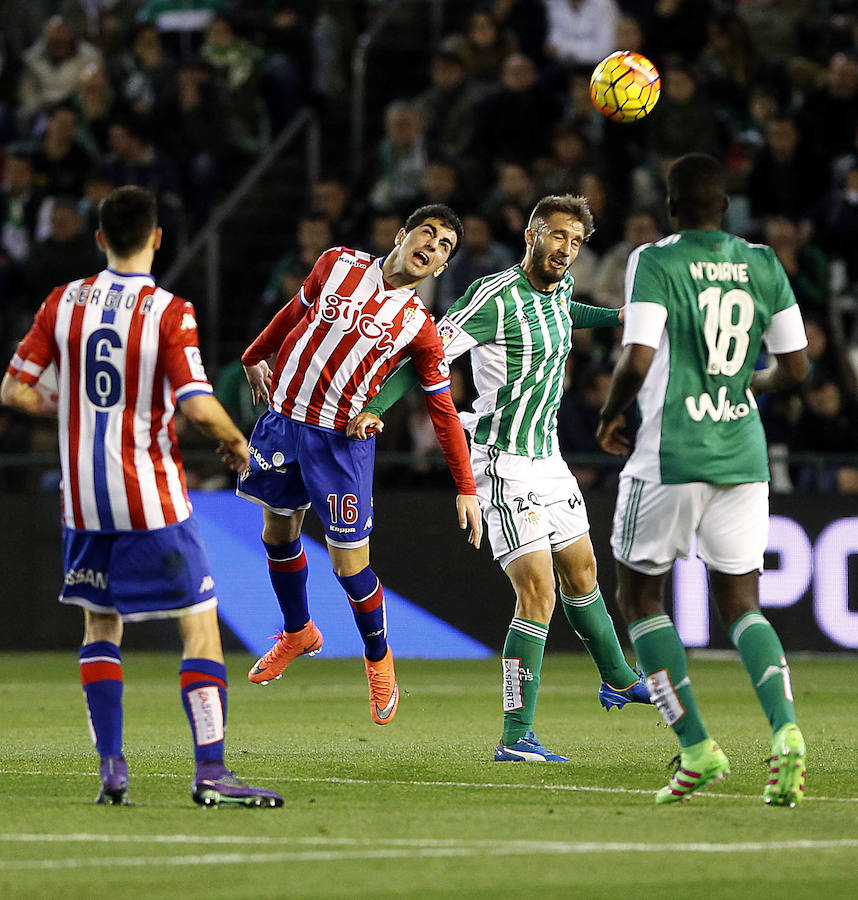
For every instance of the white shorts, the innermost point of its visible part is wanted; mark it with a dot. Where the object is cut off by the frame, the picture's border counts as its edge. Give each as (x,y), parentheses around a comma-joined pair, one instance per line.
(528,503)
(654,523)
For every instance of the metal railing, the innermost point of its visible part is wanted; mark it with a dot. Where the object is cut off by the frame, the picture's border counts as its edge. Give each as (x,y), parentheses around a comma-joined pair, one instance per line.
(208,238)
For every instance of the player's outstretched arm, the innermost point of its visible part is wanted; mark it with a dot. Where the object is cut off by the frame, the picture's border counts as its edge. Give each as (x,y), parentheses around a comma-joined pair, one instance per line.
(788,372)
(626,381)
(212,420)
(35,400)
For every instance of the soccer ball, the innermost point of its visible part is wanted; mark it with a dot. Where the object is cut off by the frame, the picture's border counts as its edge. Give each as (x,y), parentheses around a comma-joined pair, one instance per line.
(625,86)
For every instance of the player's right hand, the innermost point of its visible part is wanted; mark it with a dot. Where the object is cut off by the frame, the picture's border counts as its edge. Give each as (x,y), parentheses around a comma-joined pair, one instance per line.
(468,508)
(610,437)
(364,425)
(259,379)
(235,454)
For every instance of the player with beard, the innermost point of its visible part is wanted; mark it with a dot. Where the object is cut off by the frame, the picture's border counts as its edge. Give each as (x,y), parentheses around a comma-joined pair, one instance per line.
(518,326)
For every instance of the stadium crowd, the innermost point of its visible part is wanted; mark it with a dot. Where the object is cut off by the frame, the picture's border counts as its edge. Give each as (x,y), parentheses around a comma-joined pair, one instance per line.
(182,95)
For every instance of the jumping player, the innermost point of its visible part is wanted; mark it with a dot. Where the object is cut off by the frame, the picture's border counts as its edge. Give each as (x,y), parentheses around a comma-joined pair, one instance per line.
(518,326)
(126,353)
(355,318)
(701,304)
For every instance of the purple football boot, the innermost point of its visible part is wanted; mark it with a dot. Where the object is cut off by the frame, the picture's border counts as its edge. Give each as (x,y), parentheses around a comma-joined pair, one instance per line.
(215,785)
(114,782)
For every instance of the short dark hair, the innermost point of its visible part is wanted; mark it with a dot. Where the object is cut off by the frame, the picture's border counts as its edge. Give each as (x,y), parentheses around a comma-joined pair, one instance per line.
(444,214)
(126,217)
(696,185)
(569,204)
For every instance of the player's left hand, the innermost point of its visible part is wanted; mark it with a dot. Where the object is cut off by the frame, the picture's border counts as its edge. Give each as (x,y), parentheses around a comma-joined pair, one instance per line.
(468,508)
(610,437)
(364,425)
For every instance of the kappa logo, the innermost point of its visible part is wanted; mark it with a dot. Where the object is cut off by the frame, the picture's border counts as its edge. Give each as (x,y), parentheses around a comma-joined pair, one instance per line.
(189,323)
(207,584)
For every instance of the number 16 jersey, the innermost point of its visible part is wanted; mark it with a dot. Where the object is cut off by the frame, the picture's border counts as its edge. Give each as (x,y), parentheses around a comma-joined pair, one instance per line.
(706,301)
(126,351)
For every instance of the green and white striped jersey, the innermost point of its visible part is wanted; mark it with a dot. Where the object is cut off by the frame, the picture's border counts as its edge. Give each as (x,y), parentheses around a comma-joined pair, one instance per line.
(713,298)
(519,340)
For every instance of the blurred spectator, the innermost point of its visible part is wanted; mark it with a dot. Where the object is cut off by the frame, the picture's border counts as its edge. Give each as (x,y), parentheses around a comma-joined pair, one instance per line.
(146,74)
(837,223)
(828,117)
(195,139)
(606,209)
(285,32)
(313,236)
(577,421)
(447,106)
(60,161)
(509,203)
(479,255)
(51,69)
(570,158)
(20,202)
(97,186)
(805,265)
(727,66)
(829,424)
(382,231)
(515,120)
(483,48)
(237,64)
(827,356)
(400,159)
(527,21)
(133,159)
(333,198)
(783,181)
(684,120)
(441,184)
(95,100)
(581,31)
(63,255)
(773,27)
(640,227)
(676,31)
(107,24)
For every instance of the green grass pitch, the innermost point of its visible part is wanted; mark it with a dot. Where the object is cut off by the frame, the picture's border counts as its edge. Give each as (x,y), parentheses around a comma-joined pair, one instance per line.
(417,808)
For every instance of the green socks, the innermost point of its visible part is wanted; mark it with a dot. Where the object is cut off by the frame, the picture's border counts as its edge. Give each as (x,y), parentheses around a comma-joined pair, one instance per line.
(763,655)
(662,657)
(589,617)
(522,663)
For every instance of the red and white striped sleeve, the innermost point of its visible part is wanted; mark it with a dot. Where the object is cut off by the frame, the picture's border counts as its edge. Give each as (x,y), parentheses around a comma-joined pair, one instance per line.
(183,362)
(38,349)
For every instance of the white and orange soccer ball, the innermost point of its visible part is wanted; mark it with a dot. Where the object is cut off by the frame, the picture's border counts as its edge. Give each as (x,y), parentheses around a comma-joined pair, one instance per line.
(625,86)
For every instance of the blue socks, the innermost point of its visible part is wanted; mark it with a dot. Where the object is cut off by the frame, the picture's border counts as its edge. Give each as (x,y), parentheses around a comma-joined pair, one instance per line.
(101,677)
(204,699)
(366,597)
(287,568)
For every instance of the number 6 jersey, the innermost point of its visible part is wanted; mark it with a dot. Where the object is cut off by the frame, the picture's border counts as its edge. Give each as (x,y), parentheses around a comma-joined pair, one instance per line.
(126,351)
(706,301)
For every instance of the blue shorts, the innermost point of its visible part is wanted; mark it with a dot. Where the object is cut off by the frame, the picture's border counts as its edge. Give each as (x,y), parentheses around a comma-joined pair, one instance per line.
(293,465)
(156,574)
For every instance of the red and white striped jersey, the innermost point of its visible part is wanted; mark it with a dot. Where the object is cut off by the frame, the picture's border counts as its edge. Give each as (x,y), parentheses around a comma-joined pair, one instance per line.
(126,351)
(354,332)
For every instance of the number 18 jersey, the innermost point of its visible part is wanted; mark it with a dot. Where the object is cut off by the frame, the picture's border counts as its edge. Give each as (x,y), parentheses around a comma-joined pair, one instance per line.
(125,352)
(718,298)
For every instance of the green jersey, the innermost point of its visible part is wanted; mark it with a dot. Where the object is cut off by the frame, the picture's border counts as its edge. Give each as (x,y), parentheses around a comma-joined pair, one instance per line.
(519,339)
(708,301)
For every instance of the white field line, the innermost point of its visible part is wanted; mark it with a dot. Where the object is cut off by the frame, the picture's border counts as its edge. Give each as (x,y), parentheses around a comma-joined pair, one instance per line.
(572,788)
(342,849)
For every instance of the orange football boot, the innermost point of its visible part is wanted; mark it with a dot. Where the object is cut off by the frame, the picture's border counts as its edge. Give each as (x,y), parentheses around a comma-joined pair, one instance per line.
(289,646)
(383,689)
